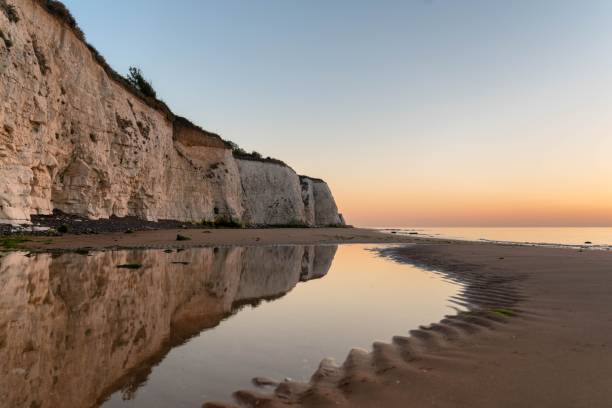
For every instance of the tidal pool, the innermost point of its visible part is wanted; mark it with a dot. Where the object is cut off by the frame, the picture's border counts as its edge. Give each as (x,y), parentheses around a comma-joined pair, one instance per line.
(196,325)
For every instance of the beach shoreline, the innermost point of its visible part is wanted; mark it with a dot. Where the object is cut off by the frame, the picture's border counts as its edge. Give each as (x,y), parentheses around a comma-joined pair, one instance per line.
(538,333)
(204,237)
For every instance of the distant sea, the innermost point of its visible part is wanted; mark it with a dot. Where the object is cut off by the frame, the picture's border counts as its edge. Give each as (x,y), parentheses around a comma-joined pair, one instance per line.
(595,237)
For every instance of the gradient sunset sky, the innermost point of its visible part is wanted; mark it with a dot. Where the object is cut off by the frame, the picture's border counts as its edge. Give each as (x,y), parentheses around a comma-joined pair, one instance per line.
(417,113)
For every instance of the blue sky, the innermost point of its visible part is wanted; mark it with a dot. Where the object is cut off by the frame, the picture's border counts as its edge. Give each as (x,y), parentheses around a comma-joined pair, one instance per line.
(416,112)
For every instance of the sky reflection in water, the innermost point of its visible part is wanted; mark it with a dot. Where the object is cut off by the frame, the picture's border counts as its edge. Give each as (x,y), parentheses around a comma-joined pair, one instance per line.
(75,329)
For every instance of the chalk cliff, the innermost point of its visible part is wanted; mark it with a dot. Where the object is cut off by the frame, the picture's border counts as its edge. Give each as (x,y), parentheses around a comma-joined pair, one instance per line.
(320,202)
(271,194)
(75,136)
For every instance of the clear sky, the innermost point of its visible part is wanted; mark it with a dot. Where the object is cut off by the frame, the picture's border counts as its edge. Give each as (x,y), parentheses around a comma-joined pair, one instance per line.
(417,113)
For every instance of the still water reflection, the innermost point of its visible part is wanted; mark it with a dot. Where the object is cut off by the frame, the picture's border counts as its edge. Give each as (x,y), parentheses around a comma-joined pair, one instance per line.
(194,325)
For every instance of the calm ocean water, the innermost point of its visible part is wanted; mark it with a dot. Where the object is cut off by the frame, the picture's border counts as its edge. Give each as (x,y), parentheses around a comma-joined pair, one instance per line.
(597,237)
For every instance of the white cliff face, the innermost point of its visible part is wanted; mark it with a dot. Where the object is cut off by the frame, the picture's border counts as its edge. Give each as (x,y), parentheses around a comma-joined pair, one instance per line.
(73,139)
(324,209)
(271,194)
(308,200)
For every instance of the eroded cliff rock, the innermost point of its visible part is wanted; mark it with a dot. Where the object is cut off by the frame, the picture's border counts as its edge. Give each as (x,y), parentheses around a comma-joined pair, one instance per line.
(271,194)
(75,138)
(74,328)
(324,210)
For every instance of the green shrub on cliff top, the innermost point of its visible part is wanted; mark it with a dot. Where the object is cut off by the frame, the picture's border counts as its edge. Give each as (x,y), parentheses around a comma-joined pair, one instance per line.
(136,79)
(240,153)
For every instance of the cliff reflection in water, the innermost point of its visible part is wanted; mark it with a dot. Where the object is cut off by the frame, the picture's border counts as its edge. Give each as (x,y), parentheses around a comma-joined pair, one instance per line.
(74,328)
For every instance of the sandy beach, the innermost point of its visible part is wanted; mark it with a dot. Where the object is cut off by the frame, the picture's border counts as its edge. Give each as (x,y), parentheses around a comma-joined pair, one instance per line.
(539,332)
(167,238)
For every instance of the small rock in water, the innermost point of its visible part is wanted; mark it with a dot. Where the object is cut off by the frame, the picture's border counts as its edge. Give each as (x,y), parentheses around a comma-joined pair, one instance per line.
(180,237)
(264,382)
(588,242)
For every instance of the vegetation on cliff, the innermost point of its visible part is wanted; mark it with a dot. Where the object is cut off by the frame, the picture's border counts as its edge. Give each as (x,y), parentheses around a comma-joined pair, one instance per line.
(138,81)
(240,153)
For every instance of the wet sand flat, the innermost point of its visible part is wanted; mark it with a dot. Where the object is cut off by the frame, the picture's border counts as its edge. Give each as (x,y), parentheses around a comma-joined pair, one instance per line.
(209,237)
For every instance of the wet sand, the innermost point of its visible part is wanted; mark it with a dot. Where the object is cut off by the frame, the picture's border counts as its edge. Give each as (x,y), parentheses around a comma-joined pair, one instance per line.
(539,333)
(167,238)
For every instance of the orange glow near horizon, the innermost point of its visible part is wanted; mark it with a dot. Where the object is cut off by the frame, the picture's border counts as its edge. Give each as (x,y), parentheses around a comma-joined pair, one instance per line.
(421,206)
(560,175)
